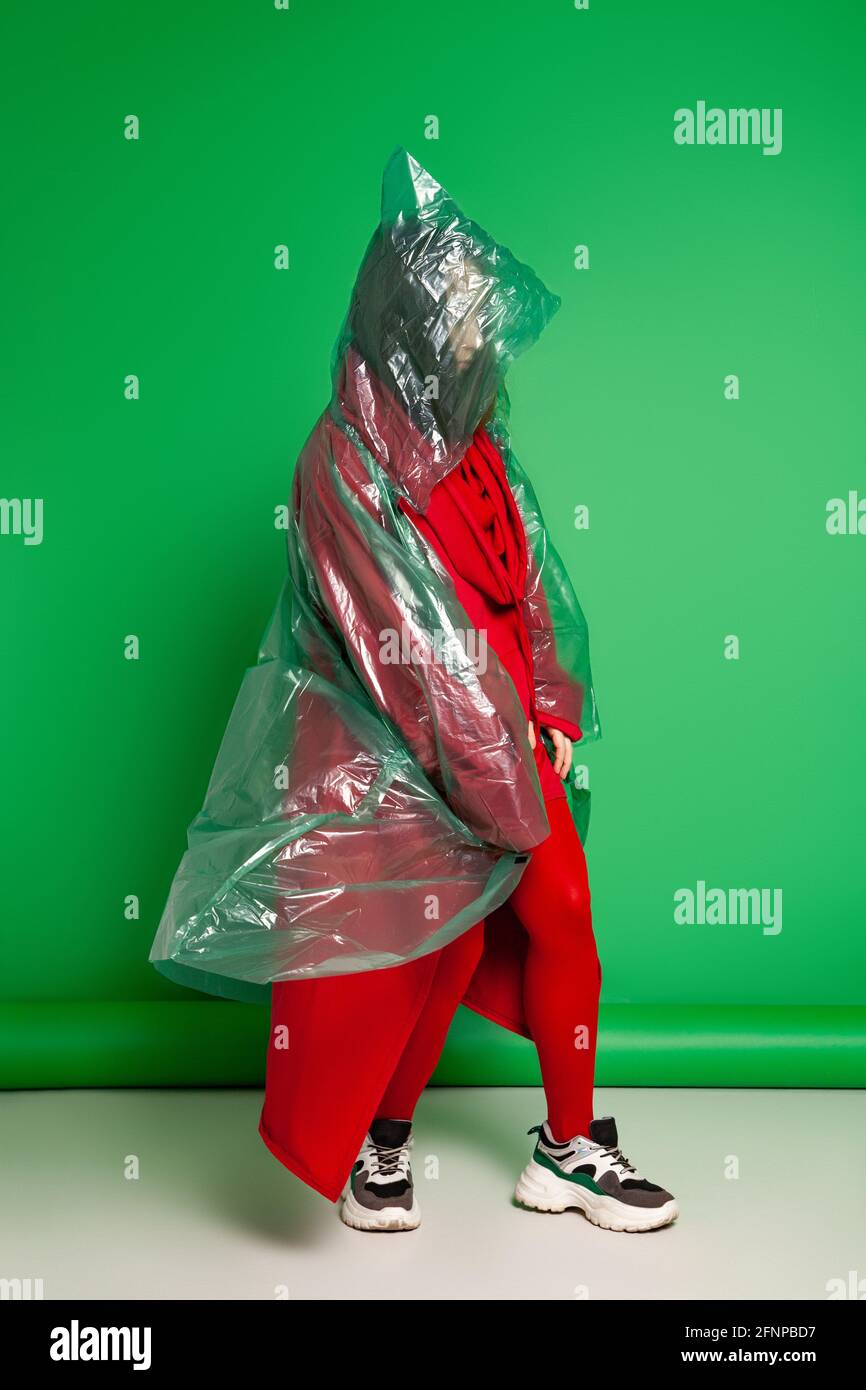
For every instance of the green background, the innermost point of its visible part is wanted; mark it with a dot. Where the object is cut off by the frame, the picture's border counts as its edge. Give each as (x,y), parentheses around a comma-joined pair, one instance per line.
(707,516)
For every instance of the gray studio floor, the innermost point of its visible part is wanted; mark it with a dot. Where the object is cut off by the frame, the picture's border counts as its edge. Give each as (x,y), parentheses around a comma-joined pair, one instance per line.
(213,1215)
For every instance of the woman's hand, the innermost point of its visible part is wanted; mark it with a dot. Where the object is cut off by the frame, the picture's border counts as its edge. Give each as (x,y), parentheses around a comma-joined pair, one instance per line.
(562,746)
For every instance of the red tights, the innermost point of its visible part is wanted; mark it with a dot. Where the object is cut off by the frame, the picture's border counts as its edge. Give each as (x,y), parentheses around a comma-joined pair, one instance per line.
(561,987)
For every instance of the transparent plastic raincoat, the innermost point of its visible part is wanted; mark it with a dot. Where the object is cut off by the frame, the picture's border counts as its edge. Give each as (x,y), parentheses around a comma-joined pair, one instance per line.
(375,793)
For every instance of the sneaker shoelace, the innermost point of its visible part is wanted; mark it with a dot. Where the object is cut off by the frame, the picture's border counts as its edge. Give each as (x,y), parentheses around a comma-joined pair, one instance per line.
(617,1156)
(388,1158)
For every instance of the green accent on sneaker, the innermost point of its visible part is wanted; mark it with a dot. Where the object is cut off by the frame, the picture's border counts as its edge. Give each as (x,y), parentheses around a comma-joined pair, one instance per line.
(582,1179)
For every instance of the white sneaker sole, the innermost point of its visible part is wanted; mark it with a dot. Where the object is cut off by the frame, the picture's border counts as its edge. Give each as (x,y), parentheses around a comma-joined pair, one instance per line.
(388,1219)
(542,1190)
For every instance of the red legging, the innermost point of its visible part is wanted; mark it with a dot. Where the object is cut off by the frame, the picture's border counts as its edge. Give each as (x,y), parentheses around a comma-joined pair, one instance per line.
(562,983)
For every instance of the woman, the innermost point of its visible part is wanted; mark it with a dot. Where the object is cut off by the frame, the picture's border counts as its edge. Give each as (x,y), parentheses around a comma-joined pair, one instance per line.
(392,826)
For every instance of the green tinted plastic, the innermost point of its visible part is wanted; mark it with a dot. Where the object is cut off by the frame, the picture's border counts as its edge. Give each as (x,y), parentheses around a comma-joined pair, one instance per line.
(375,793)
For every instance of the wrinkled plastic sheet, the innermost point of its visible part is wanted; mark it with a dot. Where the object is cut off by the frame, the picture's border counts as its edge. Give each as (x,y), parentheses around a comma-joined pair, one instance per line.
(375,793)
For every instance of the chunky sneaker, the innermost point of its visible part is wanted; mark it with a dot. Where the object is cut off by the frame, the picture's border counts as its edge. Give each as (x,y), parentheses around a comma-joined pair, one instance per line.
(379,1195)
(592,1175)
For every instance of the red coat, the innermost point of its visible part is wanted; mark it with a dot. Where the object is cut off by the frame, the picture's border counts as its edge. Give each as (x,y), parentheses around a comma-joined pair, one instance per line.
(474,526)
(473,523)
(345,1034)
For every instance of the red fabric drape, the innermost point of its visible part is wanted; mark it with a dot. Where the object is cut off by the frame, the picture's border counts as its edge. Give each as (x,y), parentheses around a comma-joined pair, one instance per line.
(336,1041)
(473,523)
